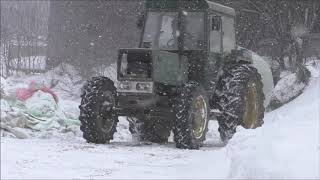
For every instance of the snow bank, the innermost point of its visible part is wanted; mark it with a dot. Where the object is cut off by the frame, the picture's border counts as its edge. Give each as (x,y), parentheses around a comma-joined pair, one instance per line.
(5,108)
(313,65)
(288,88)
(286,147)
(41,112)
(3,82)
(41,115)
(288,144)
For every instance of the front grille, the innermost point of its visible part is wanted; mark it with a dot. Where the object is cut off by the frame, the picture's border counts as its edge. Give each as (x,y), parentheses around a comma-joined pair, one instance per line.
(136,65)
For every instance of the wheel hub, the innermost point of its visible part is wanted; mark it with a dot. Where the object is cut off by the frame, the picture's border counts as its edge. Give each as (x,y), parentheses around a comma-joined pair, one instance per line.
(104,111)
(200,117)
(250,116)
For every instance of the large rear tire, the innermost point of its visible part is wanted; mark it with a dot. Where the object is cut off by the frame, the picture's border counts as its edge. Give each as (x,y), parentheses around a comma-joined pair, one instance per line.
(98,120)
(241,100)
(191,107)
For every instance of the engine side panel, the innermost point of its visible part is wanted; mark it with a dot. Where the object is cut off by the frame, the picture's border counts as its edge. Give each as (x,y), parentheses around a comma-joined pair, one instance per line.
(169,69)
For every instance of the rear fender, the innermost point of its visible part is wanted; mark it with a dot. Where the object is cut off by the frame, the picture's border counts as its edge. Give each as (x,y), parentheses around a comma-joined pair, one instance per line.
(263,68)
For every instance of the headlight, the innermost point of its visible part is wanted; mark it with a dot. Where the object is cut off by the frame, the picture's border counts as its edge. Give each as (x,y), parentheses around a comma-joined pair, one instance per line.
(135,87)
(124,85)
(143,86)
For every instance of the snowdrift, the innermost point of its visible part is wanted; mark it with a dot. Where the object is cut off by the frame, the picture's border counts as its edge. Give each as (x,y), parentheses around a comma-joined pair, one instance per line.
(30,111)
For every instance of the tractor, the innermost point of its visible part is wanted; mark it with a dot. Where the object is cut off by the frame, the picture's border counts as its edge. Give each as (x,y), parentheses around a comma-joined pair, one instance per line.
(187,70)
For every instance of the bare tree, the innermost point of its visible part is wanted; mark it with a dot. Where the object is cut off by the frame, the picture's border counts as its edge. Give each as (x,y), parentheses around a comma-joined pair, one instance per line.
(23,26)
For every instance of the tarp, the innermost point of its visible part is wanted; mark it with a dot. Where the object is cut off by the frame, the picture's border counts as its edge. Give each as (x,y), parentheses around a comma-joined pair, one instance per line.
(38,109)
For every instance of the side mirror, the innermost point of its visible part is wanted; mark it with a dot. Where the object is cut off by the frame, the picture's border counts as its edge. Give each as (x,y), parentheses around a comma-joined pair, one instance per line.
(140,21)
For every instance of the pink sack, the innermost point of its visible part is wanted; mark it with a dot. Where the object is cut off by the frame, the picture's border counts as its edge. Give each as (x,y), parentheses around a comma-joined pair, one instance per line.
(23,94)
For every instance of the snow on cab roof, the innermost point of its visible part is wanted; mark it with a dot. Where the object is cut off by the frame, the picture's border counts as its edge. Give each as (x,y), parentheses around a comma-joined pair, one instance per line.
(221,8)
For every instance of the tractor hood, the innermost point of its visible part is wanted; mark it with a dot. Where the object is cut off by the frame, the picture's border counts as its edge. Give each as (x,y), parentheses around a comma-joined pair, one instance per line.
(152,65)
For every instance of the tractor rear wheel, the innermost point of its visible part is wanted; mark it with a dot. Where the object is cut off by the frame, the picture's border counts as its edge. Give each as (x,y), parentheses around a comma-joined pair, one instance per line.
(240,100)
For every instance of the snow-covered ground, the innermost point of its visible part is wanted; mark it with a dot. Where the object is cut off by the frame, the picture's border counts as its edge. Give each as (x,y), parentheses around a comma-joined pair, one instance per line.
(287,146)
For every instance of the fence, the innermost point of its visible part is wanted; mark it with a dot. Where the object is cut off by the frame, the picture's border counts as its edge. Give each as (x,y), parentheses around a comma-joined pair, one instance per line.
(23,36)
(27,58)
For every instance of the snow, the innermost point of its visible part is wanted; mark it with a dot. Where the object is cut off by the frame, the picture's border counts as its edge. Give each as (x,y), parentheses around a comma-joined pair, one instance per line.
(286,147)
(288,144)
(288,88)
(41,104)
(41,112)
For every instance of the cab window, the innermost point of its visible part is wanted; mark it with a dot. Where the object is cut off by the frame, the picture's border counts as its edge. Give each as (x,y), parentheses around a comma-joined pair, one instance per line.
(229,38)
(193,30)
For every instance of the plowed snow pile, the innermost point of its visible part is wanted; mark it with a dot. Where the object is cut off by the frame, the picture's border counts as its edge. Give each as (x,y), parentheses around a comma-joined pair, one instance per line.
(287,146)
(28,111)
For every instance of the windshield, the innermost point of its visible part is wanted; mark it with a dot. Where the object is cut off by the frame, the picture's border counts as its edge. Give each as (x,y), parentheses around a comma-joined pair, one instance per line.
(161,31)
(193,30)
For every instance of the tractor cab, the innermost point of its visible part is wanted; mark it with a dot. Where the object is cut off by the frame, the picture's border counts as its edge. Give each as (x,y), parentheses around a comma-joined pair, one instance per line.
(171,31)
(184,25)
(179,37)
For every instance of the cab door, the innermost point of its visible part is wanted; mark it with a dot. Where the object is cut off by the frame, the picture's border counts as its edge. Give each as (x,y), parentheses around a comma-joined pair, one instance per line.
(215,50)
(215,28)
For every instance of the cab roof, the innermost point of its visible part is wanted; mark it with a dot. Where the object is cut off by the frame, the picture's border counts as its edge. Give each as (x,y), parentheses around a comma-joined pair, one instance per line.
(189,5)
(221,8)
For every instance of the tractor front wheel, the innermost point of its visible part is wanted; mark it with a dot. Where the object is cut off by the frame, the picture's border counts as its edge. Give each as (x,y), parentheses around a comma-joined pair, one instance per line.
(191,107)
(98,120)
